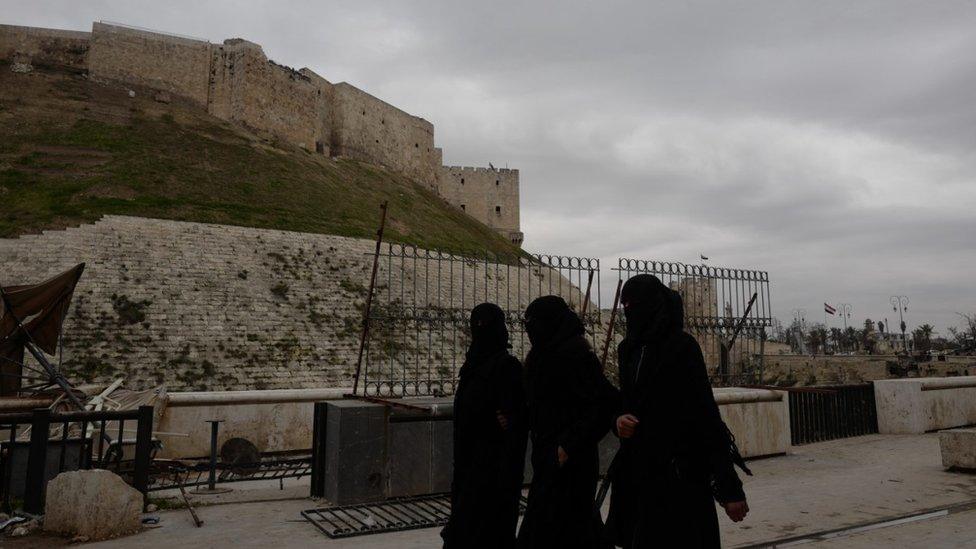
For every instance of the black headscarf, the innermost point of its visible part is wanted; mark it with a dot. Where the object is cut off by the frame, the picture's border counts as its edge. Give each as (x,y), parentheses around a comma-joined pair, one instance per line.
(549,320)
(653,311)
(489,334)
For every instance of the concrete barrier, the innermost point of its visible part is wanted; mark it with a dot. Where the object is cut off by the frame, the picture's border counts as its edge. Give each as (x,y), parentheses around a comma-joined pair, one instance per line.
(281,420)
(759,419)
(273,420)
(920,405)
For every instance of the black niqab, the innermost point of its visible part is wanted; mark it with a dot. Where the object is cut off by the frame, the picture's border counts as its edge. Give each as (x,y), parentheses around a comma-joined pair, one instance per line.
(549,320)
(654,312)
(489,334)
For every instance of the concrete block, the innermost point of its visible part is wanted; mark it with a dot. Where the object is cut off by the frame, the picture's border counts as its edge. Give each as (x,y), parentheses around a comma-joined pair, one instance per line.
(95,504)
(442,456)
(758,418)
(958,449)
(409,454)
(355,452)
(920,405)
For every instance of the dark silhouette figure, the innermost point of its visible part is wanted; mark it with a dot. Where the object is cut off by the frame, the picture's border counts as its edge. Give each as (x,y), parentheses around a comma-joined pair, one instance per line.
(676,454)
(571,407)
(489,439)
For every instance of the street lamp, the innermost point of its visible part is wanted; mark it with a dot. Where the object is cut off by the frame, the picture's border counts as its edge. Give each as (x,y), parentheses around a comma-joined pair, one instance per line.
(799,316)
(845,310)
(899,303)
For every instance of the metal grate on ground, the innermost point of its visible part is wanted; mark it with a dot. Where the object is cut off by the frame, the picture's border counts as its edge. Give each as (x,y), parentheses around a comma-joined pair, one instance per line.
(392,515)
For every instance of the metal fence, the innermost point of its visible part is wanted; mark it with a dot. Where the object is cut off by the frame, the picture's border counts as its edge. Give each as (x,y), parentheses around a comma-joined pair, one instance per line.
(42,444)
(423,298)
(173,474)
(830,412)
(716,301)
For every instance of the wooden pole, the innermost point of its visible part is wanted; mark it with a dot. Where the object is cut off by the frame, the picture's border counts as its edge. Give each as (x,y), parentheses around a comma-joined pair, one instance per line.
(369,298)
(613,319)
(586,300)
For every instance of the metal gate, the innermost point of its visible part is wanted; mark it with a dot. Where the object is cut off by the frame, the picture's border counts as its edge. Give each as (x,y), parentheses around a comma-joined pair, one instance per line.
(830,412)
(716,301)
(423,299)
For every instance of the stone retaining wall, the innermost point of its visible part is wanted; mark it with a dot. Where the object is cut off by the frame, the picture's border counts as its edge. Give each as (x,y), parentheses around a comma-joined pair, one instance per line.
(213,307)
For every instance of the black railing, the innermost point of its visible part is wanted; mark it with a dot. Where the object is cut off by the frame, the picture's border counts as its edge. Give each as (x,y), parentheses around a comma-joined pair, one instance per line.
(830,412)
(42,444)
(170,475)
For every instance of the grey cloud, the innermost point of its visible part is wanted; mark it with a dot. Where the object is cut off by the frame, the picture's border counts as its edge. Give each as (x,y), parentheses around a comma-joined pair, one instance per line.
(831,143)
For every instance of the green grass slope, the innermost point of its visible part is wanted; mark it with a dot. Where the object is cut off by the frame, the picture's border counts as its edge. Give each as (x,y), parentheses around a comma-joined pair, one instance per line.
(72,151)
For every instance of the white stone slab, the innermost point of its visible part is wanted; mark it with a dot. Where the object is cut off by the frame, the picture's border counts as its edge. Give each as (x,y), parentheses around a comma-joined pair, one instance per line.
(921,405)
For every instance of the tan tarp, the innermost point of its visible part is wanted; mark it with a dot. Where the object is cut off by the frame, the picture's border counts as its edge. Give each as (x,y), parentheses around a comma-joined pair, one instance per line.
(42,308)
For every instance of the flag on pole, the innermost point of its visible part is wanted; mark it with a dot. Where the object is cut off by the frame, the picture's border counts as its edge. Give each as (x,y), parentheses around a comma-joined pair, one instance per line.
(829,309)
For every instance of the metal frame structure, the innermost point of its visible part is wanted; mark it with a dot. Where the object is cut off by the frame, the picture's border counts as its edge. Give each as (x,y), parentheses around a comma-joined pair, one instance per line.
(170,475)
(419,315)
(393,515)
(88,431)
(418,320)
(720,312)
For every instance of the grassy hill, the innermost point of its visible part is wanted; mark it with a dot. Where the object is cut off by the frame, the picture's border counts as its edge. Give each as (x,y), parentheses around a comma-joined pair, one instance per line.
(72,150)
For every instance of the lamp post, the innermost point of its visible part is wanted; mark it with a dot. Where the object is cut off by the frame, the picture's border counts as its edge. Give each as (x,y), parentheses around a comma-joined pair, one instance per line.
(845,310)
(799,316)
(899,303)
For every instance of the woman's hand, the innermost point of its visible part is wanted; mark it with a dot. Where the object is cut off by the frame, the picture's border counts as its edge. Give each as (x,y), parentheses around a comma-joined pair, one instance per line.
(626,425)
(561,455)
(736,510)
(502,420)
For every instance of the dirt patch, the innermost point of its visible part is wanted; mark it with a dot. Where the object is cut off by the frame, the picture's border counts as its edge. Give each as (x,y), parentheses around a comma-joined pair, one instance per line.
(106,191)
(72,152)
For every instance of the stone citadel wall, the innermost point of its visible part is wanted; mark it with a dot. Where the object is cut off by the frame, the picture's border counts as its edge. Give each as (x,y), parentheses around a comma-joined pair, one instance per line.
(212,307)
(235,81)
(45,47)
(141,58)
(490,195)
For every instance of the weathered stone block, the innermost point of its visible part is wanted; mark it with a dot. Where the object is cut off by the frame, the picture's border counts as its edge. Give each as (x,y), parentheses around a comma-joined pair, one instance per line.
(921,405)
(96,504)
(958,449)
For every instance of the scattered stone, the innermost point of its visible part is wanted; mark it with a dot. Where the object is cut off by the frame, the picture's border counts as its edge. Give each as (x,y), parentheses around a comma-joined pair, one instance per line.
(22,68)
(162,97)
(96,503)
(80,539)
(132,93)
(19,532)
(152,508)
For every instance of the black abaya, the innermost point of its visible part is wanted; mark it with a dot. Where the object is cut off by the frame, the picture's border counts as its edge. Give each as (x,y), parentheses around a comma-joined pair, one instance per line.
(681,455)
(488,458)
(570,405)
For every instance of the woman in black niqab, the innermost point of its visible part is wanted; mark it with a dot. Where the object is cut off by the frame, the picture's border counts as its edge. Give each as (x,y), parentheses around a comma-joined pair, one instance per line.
(489,439)
(570,406)
(676,454)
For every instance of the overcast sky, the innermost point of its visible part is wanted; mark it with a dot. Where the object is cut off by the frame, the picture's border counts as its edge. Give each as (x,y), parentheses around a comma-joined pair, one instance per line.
(830,143)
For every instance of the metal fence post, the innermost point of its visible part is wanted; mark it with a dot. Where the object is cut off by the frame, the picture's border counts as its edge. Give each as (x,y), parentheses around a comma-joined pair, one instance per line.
(212,481)
(140,474)
(319,418)
(37,462)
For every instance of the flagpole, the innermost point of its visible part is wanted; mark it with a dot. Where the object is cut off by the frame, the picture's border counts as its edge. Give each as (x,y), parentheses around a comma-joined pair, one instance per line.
(826,329)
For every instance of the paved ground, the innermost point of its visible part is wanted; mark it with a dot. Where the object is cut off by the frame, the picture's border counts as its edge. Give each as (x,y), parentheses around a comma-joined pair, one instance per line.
(817,488)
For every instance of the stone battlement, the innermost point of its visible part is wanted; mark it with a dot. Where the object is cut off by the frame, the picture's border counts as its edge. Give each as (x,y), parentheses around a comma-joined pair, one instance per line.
(481,170)
(235,81)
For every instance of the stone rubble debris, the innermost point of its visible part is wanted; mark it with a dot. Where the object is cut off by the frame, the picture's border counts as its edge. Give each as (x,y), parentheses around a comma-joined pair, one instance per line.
(94,503)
